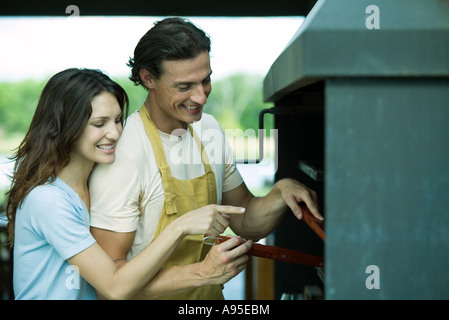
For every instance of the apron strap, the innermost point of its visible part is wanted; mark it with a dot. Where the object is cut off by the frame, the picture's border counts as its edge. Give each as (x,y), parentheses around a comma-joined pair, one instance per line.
(204,157)
(159,153)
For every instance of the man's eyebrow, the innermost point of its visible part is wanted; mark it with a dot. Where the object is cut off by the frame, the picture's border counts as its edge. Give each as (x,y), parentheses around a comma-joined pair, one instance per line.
(184,83)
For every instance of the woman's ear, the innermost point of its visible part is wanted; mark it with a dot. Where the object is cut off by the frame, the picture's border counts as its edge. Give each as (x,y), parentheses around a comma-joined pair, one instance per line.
(147,78)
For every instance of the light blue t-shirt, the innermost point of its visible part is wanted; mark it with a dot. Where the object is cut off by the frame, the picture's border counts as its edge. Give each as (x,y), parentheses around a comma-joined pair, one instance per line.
(51,226)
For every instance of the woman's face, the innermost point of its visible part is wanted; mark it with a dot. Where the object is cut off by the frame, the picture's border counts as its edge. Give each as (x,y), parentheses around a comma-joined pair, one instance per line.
(103,129)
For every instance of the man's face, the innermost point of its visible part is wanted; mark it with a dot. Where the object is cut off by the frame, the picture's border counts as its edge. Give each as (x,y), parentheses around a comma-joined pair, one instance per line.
(179,95)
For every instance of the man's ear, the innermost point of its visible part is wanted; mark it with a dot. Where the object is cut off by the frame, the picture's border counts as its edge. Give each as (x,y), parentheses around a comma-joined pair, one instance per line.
(147,78)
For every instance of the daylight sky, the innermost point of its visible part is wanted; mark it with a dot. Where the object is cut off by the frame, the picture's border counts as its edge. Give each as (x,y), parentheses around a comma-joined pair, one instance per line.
(38,47)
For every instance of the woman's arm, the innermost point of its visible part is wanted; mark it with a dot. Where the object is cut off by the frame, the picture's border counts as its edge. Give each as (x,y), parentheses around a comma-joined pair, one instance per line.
(112,282)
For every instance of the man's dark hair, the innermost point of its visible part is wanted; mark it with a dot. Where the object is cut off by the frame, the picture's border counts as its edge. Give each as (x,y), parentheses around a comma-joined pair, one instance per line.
(169,39)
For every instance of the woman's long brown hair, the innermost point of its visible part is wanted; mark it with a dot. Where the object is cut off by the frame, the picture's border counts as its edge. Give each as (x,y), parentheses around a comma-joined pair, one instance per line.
(61,115)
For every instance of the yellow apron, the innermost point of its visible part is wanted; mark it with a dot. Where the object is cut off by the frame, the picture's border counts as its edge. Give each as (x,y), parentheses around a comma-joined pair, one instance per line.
(182,196)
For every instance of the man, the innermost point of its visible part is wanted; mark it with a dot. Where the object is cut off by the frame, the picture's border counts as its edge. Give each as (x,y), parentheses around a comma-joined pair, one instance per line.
(166,166)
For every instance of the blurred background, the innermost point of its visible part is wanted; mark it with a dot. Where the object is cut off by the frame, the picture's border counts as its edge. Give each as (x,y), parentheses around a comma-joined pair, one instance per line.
(35,48)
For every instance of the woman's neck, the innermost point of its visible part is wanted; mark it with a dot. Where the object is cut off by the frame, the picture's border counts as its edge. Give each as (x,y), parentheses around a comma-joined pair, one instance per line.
(76,176)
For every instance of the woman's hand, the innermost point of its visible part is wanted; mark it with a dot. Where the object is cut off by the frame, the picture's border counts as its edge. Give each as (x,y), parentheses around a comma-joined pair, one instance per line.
(210,220)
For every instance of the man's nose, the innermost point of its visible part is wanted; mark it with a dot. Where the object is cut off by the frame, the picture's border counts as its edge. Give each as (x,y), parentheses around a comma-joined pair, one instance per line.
(200,95)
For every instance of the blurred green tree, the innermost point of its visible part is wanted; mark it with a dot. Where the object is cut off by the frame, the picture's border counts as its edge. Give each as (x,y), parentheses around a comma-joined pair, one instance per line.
(235,102)
(18,101)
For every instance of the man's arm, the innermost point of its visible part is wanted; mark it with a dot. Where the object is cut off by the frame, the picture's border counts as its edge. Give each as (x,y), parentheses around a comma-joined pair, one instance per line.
(264,213)
(116,244)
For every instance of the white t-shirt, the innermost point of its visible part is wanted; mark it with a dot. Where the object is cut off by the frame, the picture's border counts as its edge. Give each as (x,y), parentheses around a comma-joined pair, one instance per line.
(128,194)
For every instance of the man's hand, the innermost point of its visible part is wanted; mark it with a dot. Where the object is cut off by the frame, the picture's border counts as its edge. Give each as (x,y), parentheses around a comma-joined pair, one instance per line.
(225,261)
(294,192)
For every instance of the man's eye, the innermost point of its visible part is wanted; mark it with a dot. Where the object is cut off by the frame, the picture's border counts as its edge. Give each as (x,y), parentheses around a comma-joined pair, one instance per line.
(184,88)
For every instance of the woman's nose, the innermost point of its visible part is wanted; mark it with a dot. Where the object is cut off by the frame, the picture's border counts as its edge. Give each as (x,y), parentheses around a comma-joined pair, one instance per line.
(114,131)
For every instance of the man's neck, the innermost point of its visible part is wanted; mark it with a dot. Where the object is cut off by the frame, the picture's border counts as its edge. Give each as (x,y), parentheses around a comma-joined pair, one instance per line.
(161,120)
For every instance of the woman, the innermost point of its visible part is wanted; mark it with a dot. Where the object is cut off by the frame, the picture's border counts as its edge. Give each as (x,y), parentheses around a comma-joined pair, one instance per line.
(77,123)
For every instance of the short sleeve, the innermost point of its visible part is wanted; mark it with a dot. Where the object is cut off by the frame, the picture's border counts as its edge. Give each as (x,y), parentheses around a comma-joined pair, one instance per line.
(114,193)
(61,221)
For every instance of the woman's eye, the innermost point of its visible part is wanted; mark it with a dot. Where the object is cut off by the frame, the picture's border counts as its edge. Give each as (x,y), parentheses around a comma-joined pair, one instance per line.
(98,125)
(119,119)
